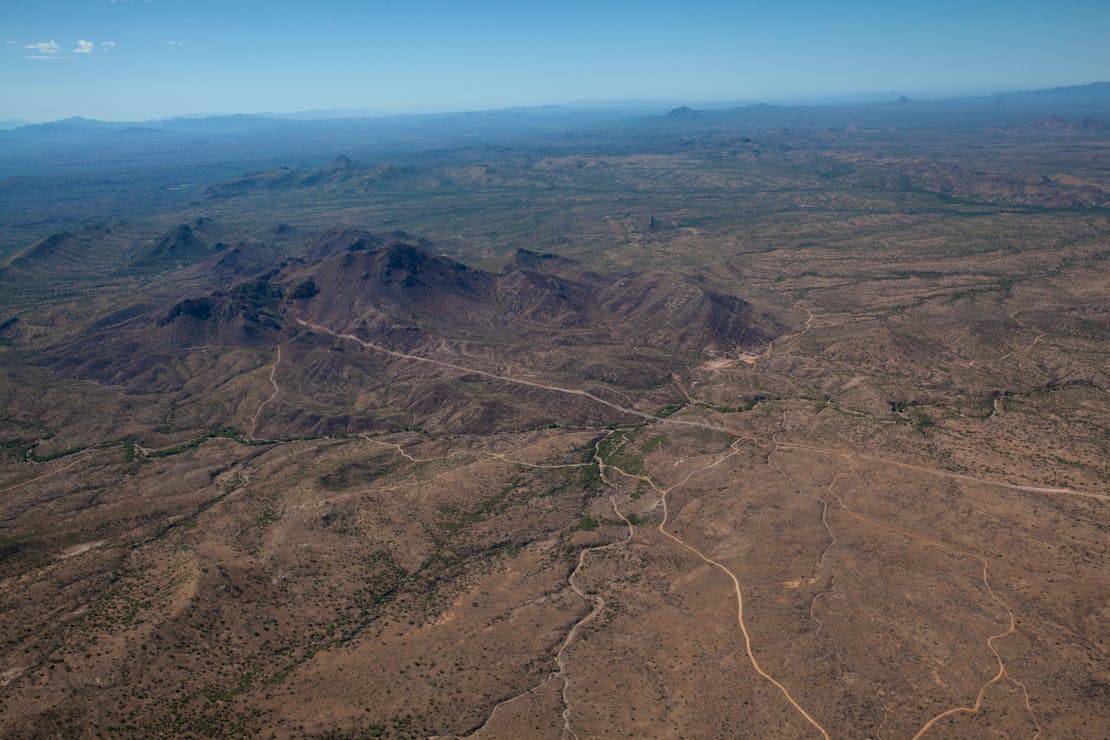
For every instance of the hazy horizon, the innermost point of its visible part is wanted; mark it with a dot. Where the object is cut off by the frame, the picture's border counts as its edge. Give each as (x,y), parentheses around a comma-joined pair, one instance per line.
(150,59)
(861,97)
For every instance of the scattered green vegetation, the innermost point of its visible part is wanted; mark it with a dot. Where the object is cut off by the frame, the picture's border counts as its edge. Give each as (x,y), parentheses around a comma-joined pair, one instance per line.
(590,479)
(669,410)
(922,421)
(748,405)
(586,523)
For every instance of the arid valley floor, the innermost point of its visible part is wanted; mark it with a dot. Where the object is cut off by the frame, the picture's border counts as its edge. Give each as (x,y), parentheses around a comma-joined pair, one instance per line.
(711,427)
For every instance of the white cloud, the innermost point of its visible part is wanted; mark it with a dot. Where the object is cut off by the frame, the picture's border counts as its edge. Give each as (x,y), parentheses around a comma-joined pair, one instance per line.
(84,47)
(108,44)
(46,58)
(46,47)
(173,43)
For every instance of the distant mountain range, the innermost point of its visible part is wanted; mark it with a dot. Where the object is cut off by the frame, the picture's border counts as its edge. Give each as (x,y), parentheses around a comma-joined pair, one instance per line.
(243,143)
(1093,94)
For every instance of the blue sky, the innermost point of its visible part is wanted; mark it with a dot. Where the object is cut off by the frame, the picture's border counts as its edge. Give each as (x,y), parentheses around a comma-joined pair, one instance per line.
(140,59)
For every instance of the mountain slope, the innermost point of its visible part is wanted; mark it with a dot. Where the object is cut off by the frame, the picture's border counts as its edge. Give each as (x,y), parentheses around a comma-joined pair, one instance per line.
(629,330)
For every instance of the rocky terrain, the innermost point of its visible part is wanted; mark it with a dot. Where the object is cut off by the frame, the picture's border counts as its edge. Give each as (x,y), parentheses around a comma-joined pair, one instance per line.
(706,427)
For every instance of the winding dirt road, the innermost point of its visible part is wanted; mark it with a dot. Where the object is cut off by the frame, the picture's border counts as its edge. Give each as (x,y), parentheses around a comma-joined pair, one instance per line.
(572,633)
(732,576)
(598,601)
(273,382)
(1022,350)
(1001,673)
(944,473)
(686,422)
(496,455)
(80,457)
(984,577)
(768,353)
(599,605)
(519,381)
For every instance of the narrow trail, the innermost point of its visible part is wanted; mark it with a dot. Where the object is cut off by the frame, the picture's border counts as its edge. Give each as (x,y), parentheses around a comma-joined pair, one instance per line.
(886,712)
(732,576)
(520,381)
(1028,347)
(599,605)
(1023,350)
(273,382)
(985,578)
(825,517)
(820,564)
(944,473)
(824,501)
(408,484)
(80,457)
(496,455)
(767,353)
(401,451)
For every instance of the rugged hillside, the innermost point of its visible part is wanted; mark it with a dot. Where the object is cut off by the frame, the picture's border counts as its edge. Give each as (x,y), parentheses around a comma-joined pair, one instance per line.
(67,255)
(397,285)
(627,330)
(186,243)
(680,314)
(1036,189)
(408,286)
(340,172)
